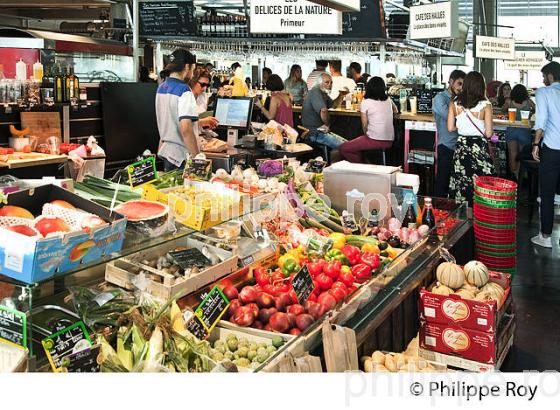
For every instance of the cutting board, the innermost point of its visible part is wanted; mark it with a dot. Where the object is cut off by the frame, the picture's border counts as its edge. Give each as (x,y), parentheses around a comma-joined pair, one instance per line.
(42,125)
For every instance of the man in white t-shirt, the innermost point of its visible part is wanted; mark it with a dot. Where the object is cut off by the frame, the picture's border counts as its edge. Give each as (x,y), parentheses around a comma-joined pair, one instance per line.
(176,112)
(340,82)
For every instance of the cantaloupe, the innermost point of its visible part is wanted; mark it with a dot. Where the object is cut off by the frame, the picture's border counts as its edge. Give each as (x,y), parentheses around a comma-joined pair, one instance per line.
(476,273)
(451,275)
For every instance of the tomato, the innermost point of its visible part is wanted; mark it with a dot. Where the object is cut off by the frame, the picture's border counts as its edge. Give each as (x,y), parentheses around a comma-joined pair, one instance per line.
(340,286)
(338,294)
(347,278)
(262,276)
(315,268)
(332,269)
(324,281)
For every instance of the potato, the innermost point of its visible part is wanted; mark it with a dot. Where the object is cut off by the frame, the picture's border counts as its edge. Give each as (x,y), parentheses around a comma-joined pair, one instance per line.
(379,368)
(390,363)
(378,357)
(400,360)
(368,365)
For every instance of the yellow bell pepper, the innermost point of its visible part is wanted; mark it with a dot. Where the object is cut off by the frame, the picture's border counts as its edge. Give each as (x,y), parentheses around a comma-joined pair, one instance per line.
(282,259)
(368,247)
(345,269)
(392,252)
(339,240)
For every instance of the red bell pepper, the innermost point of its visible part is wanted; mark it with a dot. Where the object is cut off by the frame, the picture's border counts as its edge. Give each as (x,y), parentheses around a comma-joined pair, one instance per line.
(371,259)
(332,269)
(315,268)
(262,276)
(361,272)
(352,253)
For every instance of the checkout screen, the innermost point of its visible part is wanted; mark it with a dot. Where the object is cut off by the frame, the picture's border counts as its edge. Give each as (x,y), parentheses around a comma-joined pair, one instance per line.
(231,112)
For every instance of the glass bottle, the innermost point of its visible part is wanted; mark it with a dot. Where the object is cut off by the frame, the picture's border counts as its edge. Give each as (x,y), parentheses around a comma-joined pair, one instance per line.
(58,86)
(428,216)
(409,220)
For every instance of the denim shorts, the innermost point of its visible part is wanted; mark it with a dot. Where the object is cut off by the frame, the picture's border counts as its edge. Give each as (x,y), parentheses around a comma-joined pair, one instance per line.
(331,140)
(521,135)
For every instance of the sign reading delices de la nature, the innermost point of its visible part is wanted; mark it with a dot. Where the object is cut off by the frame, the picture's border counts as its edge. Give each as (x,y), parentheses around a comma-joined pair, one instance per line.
(294,16)
(437,20)
(340,5)
(494,48)
(527,60)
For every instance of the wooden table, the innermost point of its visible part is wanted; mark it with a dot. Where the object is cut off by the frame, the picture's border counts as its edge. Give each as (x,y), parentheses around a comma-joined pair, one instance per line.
(335,112)
(33,167)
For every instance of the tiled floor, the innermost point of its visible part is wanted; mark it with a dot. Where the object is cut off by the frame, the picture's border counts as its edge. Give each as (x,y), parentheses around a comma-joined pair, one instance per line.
(536,291)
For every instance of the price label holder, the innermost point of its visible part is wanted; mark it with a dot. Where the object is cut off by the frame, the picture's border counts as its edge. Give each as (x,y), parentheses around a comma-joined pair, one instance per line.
(212,308)
(190,258)
(13,327)
(65,342)
(142,172)
(315,166)
(302,282)
(349,223)
(198,169)
(197,328)
(84,361)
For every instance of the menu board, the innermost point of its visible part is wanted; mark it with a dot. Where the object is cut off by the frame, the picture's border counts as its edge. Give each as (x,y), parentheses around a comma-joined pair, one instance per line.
(369,22)
(198,169)
(212,308)
(142,172)
(13,326)
(66,342)
(189,258)
(84,361)
(302,283)
(167,18)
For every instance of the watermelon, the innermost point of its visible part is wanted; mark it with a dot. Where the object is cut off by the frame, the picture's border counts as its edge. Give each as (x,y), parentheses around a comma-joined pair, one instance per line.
(142,213)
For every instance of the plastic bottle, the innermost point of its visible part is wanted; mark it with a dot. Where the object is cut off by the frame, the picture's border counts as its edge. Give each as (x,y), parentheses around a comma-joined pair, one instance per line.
(38,71)
(21,70)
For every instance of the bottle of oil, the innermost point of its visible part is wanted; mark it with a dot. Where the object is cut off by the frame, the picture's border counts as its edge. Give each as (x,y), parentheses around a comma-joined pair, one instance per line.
(59,85)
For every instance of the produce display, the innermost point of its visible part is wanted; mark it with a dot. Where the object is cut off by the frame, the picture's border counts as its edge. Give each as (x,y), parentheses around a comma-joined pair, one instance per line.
(142,213)
(104,192)
(243,352)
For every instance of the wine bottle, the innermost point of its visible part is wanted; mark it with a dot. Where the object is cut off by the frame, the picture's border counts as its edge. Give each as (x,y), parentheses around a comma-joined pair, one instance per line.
(428,216)
(58,85)
(409,220)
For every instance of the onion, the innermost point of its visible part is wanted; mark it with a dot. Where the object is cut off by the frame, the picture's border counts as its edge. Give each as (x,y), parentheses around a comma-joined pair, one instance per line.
(394,224)
(413,237)
(404,234)
(262,184)
(249,172)
(222,174)
(423,230)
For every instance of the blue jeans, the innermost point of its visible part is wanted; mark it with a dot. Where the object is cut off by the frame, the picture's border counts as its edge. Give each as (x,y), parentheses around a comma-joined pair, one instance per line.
(168,166)
(331,140)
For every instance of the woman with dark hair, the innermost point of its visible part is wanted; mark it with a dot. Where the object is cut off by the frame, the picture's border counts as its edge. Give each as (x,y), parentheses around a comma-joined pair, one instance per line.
(280,107)
(516,138)
(504,95)
(471,117)
(295,85)
(377,111)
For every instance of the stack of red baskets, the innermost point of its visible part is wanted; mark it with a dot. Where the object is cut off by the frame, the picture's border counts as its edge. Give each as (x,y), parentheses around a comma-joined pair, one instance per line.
(495,217)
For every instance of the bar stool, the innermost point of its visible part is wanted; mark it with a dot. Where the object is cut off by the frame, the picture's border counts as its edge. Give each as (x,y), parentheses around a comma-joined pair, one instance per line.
(320,149)
(531,167)
(367,155)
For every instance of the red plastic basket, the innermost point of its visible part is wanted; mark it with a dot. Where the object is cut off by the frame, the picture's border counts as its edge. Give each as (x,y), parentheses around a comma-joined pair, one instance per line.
(495,184)
(497,236)
(495,219)
(479,246)
(498,212)
(497,263)
(496,197)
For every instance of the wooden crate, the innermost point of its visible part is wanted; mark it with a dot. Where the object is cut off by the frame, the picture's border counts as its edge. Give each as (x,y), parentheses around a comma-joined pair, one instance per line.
(13,359)
(119,272)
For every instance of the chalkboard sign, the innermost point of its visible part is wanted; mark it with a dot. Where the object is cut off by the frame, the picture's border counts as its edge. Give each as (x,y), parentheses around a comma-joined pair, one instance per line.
(197,328)
(315,166)
(84,361)
(369,22)
(142,172)
(189,258)
(65,342)
(302,282)
(198,169)
(212,308)
(167,19)
(13,326)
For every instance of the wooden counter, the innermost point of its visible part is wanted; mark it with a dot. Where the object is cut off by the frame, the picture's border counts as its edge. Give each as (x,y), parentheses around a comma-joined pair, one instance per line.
(407,116)
(335,112)
(32,160)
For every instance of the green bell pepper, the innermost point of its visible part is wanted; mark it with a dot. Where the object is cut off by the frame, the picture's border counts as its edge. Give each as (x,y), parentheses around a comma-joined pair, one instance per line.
(336,254)
(289,267)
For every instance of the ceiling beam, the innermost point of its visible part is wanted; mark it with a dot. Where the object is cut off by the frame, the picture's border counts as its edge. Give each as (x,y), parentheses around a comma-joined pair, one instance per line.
(54,14)
(55,3)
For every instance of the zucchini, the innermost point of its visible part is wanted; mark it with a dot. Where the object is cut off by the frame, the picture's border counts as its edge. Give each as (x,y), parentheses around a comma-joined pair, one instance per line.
(360,240)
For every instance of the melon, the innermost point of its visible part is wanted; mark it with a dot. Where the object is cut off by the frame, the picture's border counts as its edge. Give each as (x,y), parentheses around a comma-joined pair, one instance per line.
(465,293)
(15,211)
(450,275)
(63,204)
(442,290)
(476,273)
(486,296)
(471,288)
(144,213)
(23,230)
(92,221)
(50,224)
(494,289)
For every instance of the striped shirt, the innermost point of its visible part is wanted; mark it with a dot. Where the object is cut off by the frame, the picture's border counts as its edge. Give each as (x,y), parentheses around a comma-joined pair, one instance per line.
(312,79)
(174,102)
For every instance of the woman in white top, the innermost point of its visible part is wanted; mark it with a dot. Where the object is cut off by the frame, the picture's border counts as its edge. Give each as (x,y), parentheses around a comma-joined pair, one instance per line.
(199,84)
(471,117)
(377,122)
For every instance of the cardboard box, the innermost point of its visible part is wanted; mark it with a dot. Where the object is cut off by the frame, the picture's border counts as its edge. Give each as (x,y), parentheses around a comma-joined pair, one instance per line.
(30,260)
(466,343)
(469,314)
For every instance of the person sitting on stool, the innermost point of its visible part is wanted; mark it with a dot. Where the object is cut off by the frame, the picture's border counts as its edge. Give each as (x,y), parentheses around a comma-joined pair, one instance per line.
(315,113)
(447,140)
(377,122)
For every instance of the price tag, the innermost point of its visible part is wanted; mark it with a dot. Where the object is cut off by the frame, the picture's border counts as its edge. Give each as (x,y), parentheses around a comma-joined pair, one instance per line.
(197,328)
(302,283)
(190,258)
(142,172)
(65,342)
(83,362)
(13,327)
(315,166)
(248,260)
(212,308)
(198,169)
(349,223)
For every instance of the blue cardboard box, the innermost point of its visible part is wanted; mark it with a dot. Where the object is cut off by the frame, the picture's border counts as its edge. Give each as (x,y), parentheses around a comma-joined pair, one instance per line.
(32,260)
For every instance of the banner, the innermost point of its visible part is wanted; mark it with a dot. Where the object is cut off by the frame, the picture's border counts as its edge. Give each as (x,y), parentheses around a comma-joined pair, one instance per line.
(437,20)
(294,17)
(527,60)
(495,48)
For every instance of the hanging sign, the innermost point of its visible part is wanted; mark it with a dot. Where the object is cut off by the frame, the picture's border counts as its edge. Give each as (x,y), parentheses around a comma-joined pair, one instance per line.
(340,5)
(436,20)
(294,17)
(494,48)
(527,60)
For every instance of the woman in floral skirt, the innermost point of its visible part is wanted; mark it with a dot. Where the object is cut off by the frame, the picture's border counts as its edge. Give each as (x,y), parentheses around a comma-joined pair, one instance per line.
(471,117)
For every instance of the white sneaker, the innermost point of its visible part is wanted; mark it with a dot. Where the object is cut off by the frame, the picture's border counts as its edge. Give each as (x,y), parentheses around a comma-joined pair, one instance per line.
(542,241)
(556,199)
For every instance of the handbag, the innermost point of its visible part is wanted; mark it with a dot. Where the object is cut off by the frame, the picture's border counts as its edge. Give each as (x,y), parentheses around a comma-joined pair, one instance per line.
(494,138)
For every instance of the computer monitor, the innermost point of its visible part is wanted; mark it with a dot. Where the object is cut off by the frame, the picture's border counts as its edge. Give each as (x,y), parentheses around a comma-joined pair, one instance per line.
(234,112)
